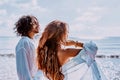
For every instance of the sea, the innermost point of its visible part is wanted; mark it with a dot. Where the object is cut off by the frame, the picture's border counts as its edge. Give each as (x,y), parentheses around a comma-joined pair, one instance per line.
(107,58)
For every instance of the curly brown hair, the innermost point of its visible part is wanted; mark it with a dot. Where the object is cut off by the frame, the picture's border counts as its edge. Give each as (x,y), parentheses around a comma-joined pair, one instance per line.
(49,44)
(24,25)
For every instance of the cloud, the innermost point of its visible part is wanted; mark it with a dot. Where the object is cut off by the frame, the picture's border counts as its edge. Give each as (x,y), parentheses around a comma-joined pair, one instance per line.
(83,31)
(3,12)
(34,2)
(7,24)
(92,32)
(88,20)
(88,23)
(93,14)
(15,10)
(30,7)
(109,30)
(3,2)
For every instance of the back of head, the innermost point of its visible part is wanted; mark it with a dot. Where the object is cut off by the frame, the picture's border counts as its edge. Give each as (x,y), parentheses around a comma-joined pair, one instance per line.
(55,30)
(54,34)
(24,25)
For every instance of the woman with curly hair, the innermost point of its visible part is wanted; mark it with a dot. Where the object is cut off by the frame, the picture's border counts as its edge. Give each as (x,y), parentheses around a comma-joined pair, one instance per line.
(26,27)
(55,61)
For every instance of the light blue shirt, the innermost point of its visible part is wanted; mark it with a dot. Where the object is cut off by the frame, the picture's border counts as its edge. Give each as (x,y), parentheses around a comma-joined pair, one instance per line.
(25,59)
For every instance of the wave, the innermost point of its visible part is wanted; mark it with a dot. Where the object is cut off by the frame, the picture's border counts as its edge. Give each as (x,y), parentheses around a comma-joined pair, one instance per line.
(7,55)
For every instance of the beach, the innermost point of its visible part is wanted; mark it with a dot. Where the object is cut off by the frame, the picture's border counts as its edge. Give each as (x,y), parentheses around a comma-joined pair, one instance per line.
(7,68)
(109,66)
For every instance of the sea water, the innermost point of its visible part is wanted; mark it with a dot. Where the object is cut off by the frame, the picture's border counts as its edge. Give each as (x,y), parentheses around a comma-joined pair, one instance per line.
(108,57)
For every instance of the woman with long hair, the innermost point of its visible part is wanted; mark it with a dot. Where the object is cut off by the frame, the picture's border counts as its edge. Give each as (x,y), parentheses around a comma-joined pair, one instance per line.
(55,61)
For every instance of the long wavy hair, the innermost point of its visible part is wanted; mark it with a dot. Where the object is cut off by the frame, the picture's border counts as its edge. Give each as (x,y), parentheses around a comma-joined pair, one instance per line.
(54,34)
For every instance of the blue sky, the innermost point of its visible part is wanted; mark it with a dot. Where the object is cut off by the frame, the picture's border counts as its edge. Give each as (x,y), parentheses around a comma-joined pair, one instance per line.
(86,18)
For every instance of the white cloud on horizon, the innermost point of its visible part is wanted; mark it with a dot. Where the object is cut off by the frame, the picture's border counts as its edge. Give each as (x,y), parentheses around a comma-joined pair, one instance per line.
(93,32)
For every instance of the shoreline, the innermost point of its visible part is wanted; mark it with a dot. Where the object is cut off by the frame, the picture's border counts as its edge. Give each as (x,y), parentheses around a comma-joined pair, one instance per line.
(97,56)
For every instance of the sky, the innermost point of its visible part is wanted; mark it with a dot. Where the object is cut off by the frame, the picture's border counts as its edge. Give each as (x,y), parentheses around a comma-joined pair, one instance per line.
(86,18)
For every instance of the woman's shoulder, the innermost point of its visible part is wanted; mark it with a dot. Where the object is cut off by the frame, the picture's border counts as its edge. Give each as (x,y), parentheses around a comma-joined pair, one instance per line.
(69,52)
(65,54)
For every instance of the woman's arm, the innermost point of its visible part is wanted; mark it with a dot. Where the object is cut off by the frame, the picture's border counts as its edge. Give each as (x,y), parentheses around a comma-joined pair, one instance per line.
(75,43)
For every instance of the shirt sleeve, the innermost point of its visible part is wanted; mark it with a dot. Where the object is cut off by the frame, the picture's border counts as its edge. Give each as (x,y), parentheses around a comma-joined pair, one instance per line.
(22,65)
(90,49)
(90,52)
(39,75)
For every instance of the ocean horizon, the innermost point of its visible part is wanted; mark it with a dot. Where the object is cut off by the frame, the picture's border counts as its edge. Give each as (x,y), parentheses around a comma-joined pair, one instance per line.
(106,46)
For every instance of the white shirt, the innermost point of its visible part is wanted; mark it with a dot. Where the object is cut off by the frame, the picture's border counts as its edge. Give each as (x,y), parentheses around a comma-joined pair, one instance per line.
(81,67)
(26,59)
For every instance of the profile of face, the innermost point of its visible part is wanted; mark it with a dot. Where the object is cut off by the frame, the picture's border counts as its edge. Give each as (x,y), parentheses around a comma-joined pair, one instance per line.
(35,27)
